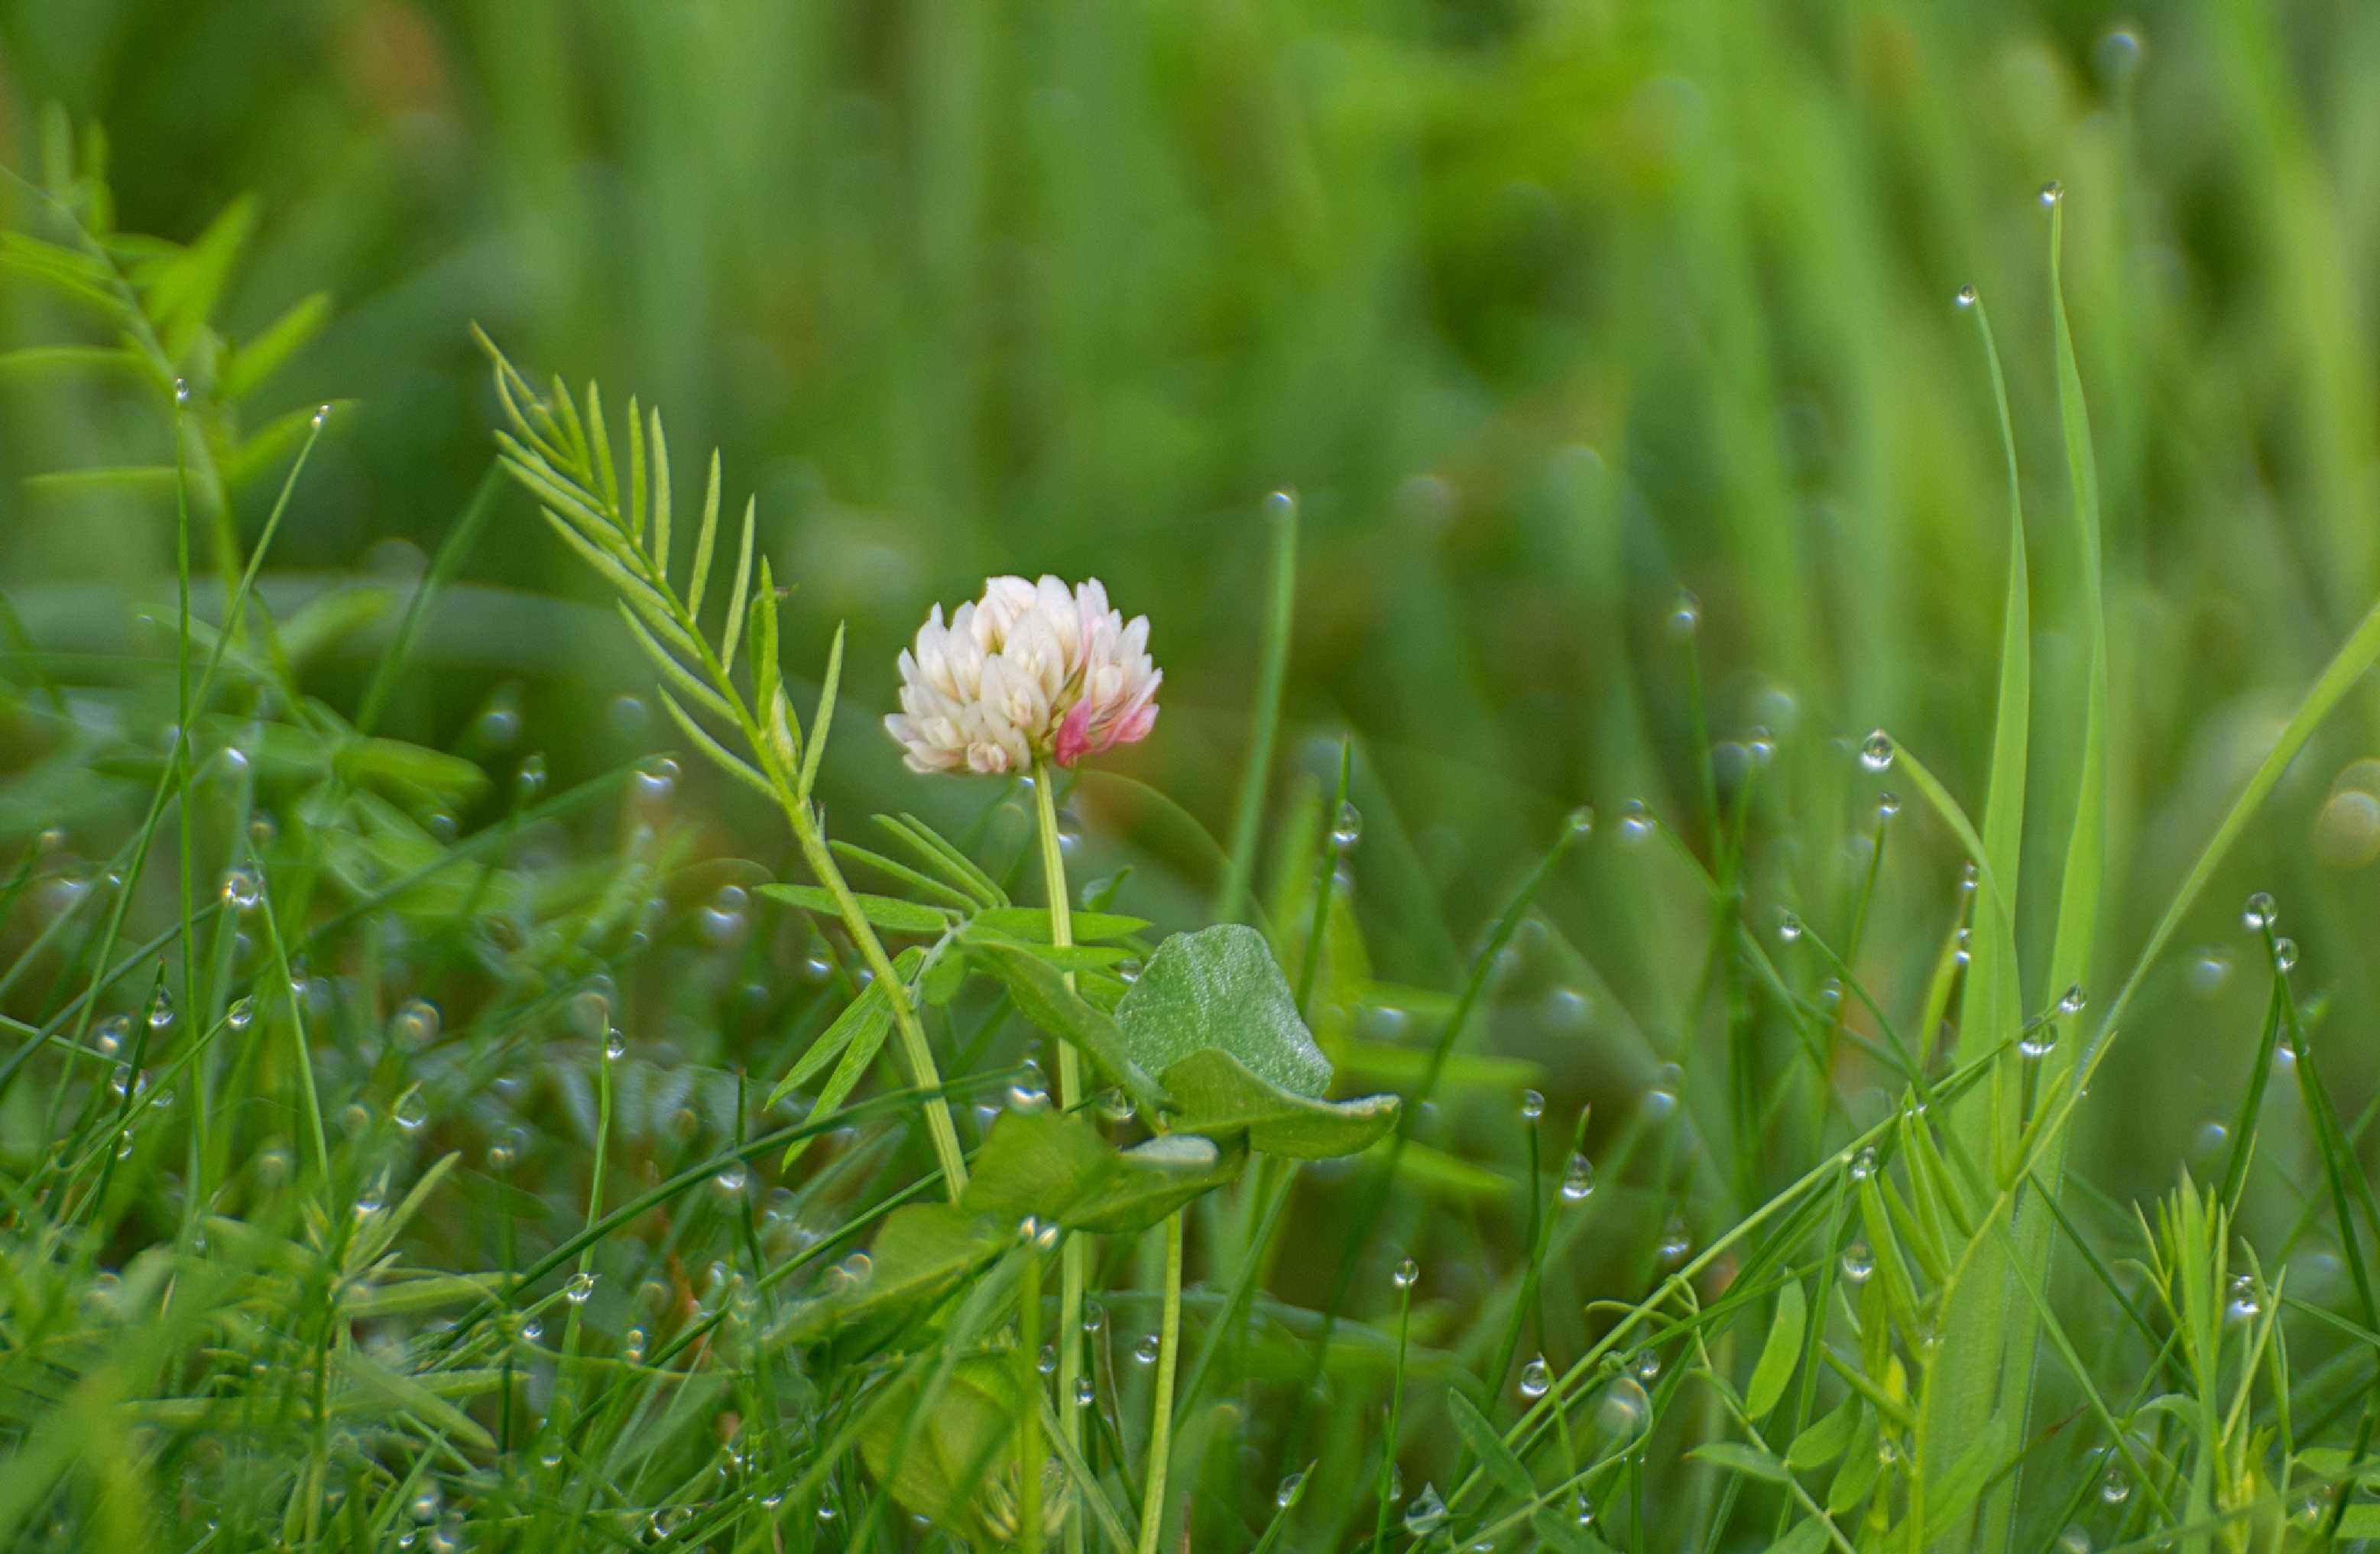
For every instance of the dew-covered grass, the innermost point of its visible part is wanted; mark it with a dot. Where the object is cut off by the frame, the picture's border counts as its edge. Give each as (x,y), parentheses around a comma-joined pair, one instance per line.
(1743,925)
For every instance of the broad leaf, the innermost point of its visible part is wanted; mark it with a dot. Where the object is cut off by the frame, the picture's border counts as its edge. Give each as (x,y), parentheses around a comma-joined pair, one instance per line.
(936,1453)
(1058,1168)
(1216,1095)
(920,1253)
(1221,987)
(1042,997)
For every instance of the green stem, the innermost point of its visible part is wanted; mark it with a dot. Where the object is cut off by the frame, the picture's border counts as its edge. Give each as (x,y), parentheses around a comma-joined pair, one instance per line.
(1074,1268)
(1160,1416)
(1030,1451)
(914,1050)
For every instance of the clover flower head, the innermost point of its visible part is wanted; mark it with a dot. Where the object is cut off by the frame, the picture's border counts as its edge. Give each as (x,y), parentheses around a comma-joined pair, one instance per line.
(1029,669)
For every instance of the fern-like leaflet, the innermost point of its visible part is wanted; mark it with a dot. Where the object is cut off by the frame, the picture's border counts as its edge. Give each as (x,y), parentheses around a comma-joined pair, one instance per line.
(562,456)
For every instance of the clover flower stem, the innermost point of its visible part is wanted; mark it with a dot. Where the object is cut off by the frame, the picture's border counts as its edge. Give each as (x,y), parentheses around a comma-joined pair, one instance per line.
(1160,1417)
(914,1050)
(1074,1266)
(1029,1450)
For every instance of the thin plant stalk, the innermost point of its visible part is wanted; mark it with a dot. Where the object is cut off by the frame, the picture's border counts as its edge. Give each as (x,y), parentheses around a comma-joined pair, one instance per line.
(1073,1264)
(1160,1416)
(1030,1451)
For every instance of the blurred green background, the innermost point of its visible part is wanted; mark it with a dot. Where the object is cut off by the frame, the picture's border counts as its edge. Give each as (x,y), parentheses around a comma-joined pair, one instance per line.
(1548,311)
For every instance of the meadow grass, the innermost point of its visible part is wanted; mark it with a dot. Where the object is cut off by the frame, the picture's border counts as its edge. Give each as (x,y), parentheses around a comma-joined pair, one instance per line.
(493,1054)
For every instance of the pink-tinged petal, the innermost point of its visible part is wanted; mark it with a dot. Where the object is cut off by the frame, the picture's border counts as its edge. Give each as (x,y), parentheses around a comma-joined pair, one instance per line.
(1135,728)
(1074,740)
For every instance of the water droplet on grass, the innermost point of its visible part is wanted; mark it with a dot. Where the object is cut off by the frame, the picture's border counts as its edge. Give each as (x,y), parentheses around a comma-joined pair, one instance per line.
(1624,1411)
(1407,1273)
(2260,913)
(1788,928)
(1533,1106)
(243,889)
(1858,1263)
(415,1023)
(1426,1513)
(1537,1379)
(1875,751)
(1347,829)
(1578,1177)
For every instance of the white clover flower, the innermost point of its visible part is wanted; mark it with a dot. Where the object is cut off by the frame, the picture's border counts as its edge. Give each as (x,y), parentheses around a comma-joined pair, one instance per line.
(1028,670)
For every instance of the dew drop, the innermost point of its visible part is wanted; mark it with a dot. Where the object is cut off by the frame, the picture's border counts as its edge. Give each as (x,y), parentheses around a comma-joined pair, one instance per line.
(241,1013)
(411,1111)
(1635,821)
(1685,615)
(1291,1487)
(2115,1489)
(2285,954)
(243,889)
(1532,1105)
(1675,1242)
(1347,829)
(2038,1041)
(1858,1263)
(415,1023)
(1966,297)
(730,1182)
(656,779)
(2052,192)
(1426,1513)
(1624,1411)
(1407,1273)
(181,391)
(1578,1177)
(1875,751)
(160,1011)
(107,1040)
(1863,1164)
(1537,1379)
(1147,1349)
(1888,805)
(1788,928)
(2260,913)
(1084,1392)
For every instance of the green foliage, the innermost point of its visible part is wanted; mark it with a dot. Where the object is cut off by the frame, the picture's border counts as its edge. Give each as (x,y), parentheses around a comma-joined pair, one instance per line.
(432,1117)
